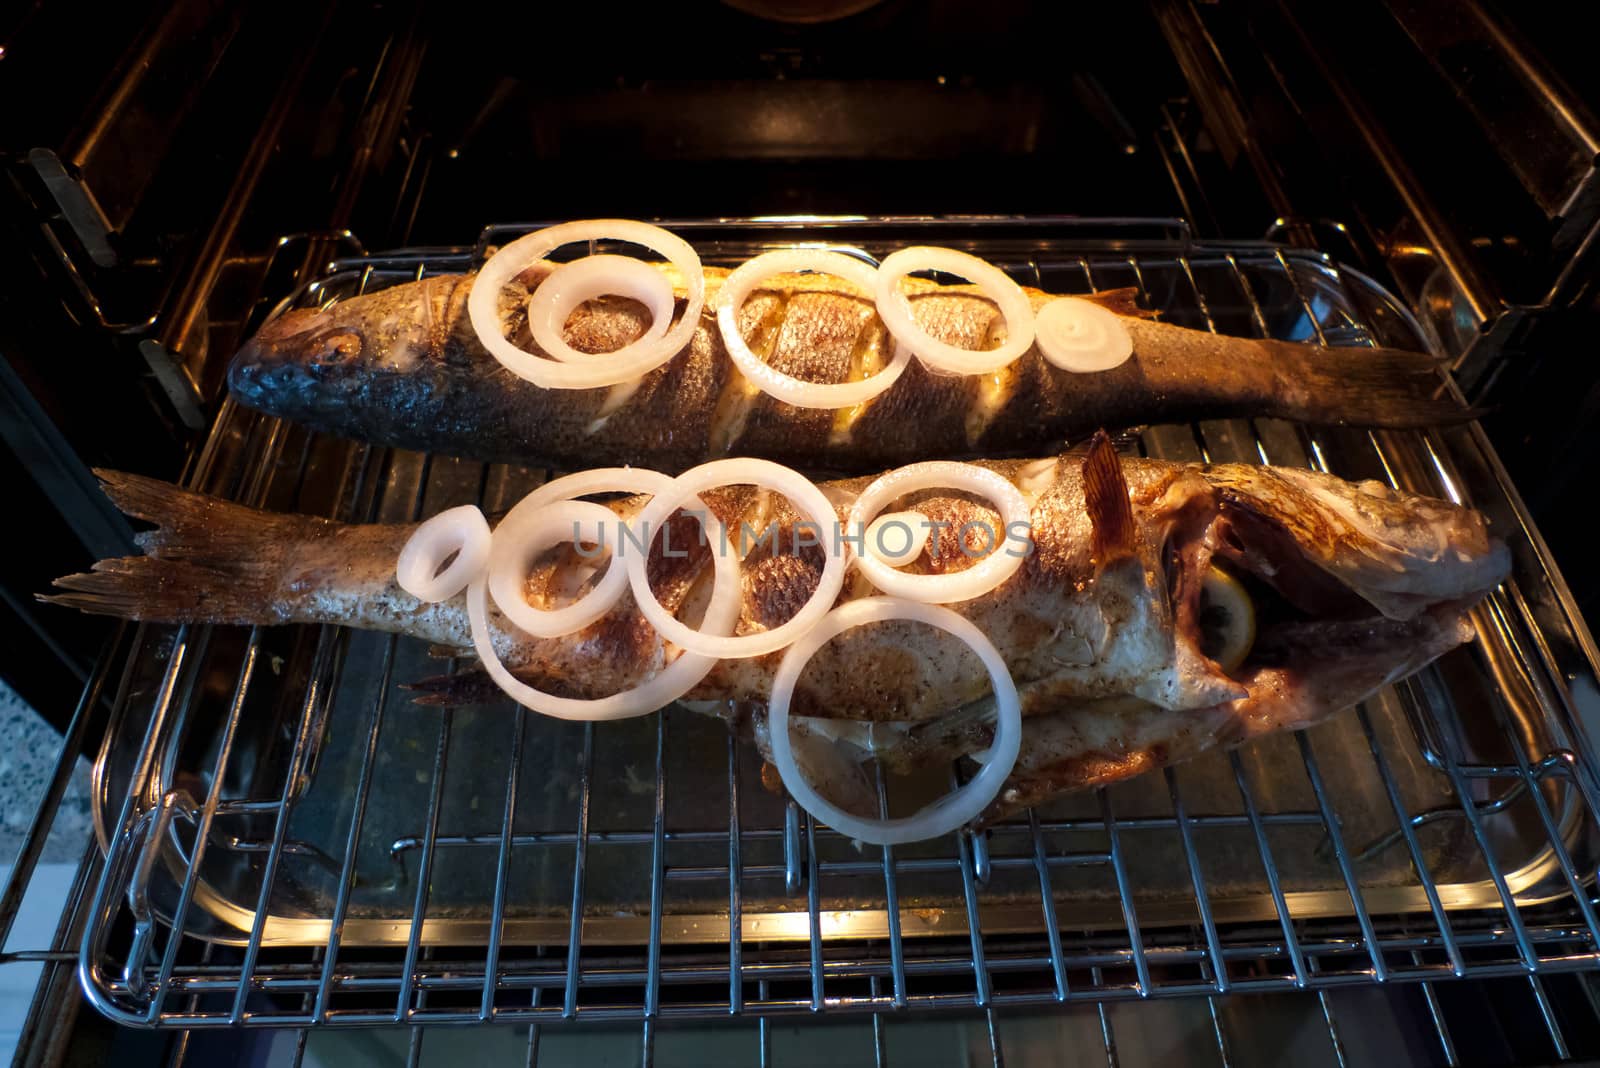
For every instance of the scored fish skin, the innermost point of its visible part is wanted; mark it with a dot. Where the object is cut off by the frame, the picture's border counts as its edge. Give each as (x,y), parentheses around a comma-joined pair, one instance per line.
(1103,644)
(404,367)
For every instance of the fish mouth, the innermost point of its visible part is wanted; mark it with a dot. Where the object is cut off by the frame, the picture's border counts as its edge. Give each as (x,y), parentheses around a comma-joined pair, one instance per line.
(1301,665)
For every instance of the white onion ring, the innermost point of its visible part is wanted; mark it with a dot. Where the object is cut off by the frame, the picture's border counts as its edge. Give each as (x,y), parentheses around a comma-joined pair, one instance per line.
(594,480)
(515,546)
(666,686)
(1081,336)
(895,309)
(917,532)
(736,289)
(948,813)
(525,531)
(462,531)
(570,284)
(805,496)
(637,358)
(1002,560)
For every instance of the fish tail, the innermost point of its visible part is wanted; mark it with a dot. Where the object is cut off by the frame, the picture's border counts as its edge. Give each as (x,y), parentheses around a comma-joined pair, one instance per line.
(207,561)
(1364,387)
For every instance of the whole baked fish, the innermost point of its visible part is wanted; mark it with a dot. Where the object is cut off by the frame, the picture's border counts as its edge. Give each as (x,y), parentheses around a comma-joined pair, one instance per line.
(404,367)
(1104,627)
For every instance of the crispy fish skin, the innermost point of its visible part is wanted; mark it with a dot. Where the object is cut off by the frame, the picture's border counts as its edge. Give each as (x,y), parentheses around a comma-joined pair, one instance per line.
(1098,628)
(404,367)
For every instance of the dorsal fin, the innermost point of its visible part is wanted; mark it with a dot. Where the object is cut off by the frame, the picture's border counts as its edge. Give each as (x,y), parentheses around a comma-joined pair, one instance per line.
(1123,301)
(1105,493)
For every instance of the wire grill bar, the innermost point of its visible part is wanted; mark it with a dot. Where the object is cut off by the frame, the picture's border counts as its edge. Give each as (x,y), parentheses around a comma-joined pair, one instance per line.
(337,866)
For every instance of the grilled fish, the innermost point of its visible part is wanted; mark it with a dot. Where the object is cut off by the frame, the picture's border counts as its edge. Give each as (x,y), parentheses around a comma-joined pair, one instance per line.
(1102,627)
(404,367)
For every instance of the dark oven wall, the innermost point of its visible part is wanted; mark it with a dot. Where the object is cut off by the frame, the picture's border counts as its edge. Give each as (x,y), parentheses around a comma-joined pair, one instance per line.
(702,110)
(165,178)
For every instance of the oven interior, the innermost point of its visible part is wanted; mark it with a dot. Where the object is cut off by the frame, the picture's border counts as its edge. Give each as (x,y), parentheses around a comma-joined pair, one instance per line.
(1418,174)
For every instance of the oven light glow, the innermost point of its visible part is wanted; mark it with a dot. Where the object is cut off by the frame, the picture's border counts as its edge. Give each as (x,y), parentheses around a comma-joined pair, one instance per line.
(808,218)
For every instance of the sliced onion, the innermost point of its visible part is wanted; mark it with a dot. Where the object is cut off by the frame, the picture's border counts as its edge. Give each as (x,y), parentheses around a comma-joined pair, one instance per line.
(743,471)
(956,808)
(594,480)
(880,544)
(528,529)
(631,361)
(895,310)
(736,289)
(1007,544)
(462,531)
(570,284)
(666,686)
(516,546)
(1037,476)
(1081,336)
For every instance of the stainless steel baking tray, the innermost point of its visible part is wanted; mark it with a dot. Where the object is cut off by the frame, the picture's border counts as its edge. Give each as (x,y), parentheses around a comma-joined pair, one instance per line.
(290,840)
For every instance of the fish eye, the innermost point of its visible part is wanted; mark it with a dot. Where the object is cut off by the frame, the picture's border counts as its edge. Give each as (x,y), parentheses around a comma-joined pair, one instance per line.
(338,347)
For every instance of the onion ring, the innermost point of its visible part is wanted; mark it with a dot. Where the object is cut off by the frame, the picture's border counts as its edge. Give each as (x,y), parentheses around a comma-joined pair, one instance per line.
(1080,336)
(525,530)
(462,531)
(917,529)
(895,310)
(736,289)
(956,808)
(666,686)
(1000,563)
(805,496)
(637,358)
(515,546)
(570,284)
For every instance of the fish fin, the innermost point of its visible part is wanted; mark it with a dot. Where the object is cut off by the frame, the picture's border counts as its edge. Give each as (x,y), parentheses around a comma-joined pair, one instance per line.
(1105,493)
(472,687)
(207,561)
(1123,301)
(1352,386)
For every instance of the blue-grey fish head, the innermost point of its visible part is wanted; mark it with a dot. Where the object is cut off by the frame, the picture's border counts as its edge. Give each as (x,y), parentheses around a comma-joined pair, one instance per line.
(310,363)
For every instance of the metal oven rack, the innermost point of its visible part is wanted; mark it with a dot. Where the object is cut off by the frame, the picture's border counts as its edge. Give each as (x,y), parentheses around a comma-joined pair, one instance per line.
(291,842)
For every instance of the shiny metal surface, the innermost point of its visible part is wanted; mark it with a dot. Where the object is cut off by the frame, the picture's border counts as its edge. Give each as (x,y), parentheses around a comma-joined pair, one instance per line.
(291,842)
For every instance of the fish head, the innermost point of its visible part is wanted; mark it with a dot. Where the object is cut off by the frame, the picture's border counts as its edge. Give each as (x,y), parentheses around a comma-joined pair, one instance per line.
(1349,586)
(1320,540)
(313,361)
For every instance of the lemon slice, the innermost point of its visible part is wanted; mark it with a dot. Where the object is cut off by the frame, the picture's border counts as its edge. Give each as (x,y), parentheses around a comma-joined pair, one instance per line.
(1227,619)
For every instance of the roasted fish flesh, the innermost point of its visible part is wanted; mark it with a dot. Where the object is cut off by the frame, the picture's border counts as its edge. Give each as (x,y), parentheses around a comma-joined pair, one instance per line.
(1104,628)
(403,366)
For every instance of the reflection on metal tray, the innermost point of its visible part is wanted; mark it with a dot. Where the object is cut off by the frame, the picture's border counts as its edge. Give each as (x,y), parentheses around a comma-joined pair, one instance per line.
(330,852)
